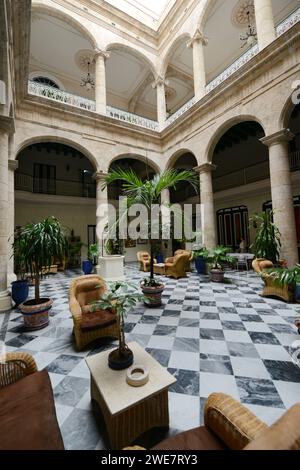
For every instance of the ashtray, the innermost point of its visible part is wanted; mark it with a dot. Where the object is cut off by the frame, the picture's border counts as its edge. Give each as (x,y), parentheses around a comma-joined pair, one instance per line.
(137,376)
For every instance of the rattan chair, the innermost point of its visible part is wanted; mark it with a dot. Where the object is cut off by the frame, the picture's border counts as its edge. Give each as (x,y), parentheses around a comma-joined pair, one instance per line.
(144,260)
(271,288)
(176,266)
(83,291)
(15,366)
(188,263)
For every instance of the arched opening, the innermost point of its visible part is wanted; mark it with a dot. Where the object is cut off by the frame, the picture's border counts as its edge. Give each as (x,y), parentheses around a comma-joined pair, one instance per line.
(179,87)
(57,179)
(131,90)
(54,66)
(240,181)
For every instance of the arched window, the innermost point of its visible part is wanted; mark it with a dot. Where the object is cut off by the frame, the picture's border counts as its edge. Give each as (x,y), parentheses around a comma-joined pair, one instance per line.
(46,81)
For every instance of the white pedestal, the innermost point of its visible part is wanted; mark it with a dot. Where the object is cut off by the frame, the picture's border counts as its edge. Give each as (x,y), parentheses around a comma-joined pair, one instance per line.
(111,268)
(11,277)
(5,302)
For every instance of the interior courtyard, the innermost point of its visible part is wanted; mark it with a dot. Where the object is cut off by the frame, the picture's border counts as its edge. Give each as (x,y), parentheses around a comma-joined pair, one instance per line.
(200,100)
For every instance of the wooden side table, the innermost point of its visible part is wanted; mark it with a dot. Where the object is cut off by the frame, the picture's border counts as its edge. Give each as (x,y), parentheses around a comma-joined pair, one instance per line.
(130,411)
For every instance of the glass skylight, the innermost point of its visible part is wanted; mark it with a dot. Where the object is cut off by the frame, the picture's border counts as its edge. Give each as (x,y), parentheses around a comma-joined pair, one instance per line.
(140,9)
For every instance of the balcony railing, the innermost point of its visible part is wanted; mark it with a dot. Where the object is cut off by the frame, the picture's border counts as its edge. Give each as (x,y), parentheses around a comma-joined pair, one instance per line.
(54,94)
(28,183)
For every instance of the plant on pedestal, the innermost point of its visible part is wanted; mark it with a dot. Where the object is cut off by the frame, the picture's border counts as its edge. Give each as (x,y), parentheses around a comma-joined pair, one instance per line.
(120,297)
(38,244)
(148,193)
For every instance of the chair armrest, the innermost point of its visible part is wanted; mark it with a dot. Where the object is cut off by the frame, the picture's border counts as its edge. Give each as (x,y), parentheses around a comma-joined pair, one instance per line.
(75,310)
(232,422)
(170,260)
(15,366)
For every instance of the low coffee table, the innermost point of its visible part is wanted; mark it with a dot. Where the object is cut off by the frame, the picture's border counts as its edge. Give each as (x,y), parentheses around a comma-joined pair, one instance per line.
(130,411)
(159,269)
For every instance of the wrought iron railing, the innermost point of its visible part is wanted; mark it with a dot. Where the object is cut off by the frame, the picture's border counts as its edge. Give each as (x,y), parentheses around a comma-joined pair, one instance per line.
(39,89)
(28,183)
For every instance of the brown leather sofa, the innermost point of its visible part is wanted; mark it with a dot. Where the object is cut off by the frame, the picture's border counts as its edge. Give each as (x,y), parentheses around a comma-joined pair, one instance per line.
(88,325)
(27,412)
(176,266)
(144,260)
(186,252)
(271,288)
(231,426)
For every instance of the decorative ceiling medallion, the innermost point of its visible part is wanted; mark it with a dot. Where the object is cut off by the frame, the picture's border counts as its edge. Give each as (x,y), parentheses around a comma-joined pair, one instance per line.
(240,12)
(83,58)
(170,93)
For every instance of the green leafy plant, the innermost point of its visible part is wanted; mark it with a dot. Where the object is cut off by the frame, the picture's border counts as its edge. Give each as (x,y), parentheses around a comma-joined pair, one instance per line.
(148,193)
(218,257)
(201,253)
(93,251)
(119,298)
(37,245)
(267,240)
(285,277)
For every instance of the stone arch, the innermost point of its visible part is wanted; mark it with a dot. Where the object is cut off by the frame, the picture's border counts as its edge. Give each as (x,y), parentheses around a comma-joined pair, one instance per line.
(148,161)
(59,140)
(171,51)
(207,7)
(223,128)
(287,110)
(51,11)
(115,46)
(175,156)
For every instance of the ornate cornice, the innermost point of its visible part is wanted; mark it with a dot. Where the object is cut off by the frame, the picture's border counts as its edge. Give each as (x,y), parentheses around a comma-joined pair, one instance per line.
(102,54)
(198,37)
(100,176)
(285,135)
(205,168)
(160,81)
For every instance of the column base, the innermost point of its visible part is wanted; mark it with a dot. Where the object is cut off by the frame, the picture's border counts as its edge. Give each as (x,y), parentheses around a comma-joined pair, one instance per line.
(11,277)
(5,301)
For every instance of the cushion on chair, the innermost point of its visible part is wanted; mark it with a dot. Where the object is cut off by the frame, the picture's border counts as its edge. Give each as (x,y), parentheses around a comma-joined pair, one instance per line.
(97,319)
(265,264)
(196,439)
(27,415)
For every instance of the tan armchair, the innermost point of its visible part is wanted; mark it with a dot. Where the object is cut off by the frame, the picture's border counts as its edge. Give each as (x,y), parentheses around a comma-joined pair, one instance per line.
(271,288)
(186,252)
(83,291)
(176,266)
(144,260)
(229,425)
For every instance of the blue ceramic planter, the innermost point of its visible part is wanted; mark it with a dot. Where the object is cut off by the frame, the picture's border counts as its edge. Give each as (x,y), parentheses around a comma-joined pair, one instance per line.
(87,266)
(200,265)
(159,259)
(19,291)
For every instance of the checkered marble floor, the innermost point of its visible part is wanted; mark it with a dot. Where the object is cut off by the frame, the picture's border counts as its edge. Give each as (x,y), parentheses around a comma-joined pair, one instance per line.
(211,337)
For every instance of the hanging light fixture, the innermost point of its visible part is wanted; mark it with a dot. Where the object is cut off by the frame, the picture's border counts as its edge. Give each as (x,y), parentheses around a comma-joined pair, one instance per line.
(88,83)
(250,36)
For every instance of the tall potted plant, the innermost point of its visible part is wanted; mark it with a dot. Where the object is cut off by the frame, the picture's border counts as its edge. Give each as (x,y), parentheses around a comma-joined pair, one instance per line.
(88,264)
(267,240)
(38,244)
(119,298)
(148,193)
(200,256)
(218,257)
(20,287)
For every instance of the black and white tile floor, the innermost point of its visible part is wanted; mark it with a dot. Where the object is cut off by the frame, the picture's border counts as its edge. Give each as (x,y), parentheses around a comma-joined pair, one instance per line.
(213,338)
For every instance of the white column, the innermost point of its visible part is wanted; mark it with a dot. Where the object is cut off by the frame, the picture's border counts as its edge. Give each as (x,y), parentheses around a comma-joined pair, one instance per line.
(100,81)
(264,22)
(101,207)
(165,201)
(208,223)
(5,300)
(161,100)
(12,166)
(197,43)
(282,193)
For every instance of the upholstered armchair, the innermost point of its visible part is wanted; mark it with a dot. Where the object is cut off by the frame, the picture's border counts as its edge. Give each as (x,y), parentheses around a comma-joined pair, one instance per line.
(144,260)
(89,325)
(186,252)
(176,266)
(229,425)
(271,288)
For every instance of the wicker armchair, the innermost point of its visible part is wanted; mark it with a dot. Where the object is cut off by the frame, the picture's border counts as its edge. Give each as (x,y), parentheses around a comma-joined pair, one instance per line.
(176,266)
(271,288)
(144,260)
(83,291)
(186,252)
(15,366)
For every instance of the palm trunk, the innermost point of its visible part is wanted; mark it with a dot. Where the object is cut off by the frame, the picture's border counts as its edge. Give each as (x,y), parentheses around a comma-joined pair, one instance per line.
(37,288)
(151,259)
(122,345)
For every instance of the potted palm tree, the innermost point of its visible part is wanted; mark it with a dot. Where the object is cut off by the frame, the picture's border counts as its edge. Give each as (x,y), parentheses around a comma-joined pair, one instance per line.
(20,287)
(148,193)
(218,258)
(38,244)
(267,240)
(119,298)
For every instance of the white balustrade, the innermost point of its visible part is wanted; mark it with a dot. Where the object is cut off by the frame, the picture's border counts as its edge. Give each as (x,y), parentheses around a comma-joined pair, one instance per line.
(131,118)
(288,23)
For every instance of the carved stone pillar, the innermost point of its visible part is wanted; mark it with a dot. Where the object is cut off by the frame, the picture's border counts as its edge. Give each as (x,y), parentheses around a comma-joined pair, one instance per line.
(12,167)
(197,43)
(209,236)
(264,22)
(159,84)
(100,81)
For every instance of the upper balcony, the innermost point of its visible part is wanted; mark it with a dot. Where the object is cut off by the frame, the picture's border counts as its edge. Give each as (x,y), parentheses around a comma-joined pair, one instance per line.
(166,116)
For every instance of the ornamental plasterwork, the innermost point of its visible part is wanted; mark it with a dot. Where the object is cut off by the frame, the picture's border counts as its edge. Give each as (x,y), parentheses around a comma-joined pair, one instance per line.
(83,57)
(239,15)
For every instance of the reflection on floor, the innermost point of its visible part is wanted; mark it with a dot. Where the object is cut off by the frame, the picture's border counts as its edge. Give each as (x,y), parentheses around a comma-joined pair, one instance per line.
(211,337)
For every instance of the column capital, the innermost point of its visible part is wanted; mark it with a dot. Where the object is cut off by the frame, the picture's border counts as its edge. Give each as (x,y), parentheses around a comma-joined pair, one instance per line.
(100,176)
(205,168)
(160,81)
(13,165)
(102,54)
(197,37)
(284,135)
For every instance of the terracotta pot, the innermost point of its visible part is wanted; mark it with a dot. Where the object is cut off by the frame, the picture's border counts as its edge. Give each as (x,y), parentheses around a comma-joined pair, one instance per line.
(36,316)
(120,359)
(153,295)
(217,275)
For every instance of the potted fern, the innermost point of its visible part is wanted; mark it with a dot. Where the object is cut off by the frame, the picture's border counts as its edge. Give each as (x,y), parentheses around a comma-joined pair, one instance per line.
(38,245)
(218,258)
